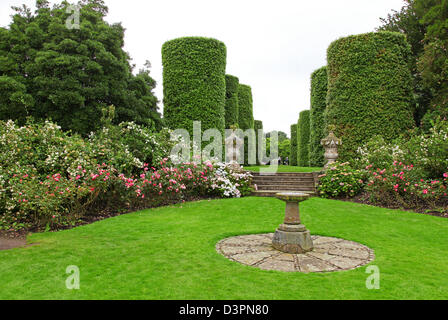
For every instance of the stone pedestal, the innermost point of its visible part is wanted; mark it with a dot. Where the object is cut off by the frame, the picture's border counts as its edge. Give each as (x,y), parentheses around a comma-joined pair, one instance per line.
(292,236)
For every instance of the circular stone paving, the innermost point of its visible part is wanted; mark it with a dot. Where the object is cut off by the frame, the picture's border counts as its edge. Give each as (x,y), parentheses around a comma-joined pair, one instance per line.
(329,254)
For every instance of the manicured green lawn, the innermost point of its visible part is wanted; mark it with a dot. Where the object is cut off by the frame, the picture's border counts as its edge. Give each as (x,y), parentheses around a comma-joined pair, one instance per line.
(169,253)
(284,169)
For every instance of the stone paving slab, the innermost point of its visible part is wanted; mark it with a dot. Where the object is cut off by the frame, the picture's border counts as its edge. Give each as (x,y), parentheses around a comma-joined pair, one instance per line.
(330,254)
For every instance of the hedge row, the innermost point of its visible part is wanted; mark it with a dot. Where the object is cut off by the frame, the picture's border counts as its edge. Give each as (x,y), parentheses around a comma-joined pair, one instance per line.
(303,139)
(293,146)
(231,109)
(319,82)
(369,89)
(258,125)
(194,85)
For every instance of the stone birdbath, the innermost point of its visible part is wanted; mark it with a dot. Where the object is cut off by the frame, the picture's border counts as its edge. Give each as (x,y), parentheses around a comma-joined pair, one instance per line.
(292,236)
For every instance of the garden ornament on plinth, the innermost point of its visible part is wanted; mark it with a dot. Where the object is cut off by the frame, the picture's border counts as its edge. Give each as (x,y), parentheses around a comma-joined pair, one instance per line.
(331,144)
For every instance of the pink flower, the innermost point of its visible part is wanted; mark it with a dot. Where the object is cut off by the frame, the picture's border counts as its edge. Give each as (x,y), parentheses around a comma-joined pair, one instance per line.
(425,191)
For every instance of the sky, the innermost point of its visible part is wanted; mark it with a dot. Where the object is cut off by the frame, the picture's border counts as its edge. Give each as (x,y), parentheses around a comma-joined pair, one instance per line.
(273,46)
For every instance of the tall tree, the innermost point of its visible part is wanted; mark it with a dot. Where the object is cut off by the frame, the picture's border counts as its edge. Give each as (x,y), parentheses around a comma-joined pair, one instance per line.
(433,63)
(52,67)
(425,24)
(407,22)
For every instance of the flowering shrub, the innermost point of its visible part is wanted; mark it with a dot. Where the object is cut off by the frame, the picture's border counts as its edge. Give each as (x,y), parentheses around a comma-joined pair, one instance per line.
(43,147)
(128,146)
(427,152)
(56,200)
(181,182)
(340,180)
(230,181)
(400,186)
(379,153)
(410,172)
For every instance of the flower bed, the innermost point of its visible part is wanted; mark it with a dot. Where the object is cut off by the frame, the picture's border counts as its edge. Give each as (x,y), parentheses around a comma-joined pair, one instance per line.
(410,172)
(52,180)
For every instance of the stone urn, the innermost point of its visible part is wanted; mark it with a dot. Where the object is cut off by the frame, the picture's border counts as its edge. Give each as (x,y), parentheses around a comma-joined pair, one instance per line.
(331,144)
(292,236)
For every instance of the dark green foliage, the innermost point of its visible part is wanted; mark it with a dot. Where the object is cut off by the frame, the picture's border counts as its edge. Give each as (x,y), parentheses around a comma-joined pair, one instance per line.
(194,84)
(319,82)
(258,125)
(433,63)
(284,149)
(369,89)
(245,113)
(303,139)
(407,22)
(231,113)
(425,24)
(48,70)
(293,146)
(281,135)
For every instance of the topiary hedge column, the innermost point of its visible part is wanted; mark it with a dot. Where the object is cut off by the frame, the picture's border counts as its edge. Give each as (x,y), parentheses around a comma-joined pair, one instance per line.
(245,114)
(319,82)
(258,125)
(293,150)
(245,107)
(231,108)
(194,85)
(303,139)
(369,89)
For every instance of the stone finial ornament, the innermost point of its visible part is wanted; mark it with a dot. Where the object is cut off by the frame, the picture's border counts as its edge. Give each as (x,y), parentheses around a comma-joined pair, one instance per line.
(233,144)
(331,144)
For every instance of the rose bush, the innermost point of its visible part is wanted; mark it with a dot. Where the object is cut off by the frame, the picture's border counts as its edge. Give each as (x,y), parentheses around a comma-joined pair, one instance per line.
(400,185)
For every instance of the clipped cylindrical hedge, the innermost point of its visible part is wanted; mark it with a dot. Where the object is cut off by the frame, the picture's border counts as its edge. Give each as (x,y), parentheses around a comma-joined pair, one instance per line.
(369,89)
(245,114)
(293,146)
(194,85)
(303,139)
(258,125)
(231,108)
(245,107)
(319,83)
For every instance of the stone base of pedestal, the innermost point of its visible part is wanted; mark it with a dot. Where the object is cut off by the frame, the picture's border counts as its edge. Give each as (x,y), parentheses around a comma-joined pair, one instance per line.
(289,241)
